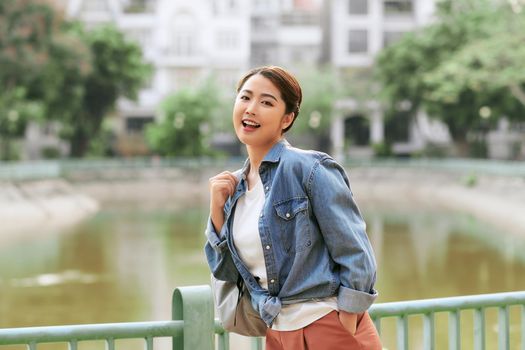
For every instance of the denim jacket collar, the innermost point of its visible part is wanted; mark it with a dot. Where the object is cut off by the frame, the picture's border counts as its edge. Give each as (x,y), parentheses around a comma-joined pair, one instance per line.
(273,155)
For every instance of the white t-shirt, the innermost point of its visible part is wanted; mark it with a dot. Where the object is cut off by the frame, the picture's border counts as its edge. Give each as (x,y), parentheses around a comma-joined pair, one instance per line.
(248,244)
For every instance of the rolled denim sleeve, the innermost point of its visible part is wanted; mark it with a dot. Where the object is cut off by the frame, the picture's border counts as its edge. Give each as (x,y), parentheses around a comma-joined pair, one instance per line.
(344,231)
(218,254)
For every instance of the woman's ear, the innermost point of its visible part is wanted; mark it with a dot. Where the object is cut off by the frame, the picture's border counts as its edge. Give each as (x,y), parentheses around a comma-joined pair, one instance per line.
(287,120)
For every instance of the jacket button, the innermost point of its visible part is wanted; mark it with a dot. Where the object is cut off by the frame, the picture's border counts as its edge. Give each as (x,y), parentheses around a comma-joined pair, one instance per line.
(272,281)
(267,247)
(267,188)
(287,215)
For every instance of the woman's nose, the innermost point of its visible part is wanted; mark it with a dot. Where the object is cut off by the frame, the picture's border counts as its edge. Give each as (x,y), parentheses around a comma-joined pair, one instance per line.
(251,108)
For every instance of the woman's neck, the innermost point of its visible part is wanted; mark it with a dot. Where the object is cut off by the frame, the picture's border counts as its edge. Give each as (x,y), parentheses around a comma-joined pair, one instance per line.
(256,156)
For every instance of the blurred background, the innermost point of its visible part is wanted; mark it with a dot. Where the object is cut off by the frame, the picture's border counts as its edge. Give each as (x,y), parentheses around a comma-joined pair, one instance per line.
(114,114)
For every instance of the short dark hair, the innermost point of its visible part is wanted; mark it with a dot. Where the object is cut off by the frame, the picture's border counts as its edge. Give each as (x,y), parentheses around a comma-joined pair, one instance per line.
(287,84)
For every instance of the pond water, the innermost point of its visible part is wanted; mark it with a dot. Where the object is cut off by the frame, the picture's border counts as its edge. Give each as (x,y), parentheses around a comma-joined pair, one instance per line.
(123,264)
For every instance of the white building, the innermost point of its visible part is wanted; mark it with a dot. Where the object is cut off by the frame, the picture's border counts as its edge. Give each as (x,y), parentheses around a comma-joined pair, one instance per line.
(187,40)
(285,32)
(357,31)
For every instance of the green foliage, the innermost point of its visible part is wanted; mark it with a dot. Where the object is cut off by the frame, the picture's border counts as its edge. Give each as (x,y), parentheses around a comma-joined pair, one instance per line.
(15,111)
(320,91)
(184,122)
(74,76)
(469,59)
(26,30)
(382,149)
(470,180)
(102,144)
(491,66)
(117,70)
(50,152)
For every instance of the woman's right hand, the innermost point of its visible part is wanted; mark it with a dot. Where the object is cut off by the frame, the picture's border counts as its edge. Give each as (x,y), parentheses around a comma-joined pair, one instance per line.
(221,187)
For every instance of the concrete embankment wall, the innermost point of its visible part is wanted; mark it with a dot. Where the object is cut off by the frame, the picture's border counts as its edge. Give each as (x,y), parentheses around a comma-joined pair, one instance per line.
(498,200)
(32,207)
(495,199)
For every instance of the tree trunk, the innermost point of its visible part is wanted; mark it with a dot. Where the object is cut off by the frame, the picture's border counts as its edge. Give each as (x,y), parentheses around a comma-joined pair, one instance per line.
(5,148)
(462,148)
(79,143)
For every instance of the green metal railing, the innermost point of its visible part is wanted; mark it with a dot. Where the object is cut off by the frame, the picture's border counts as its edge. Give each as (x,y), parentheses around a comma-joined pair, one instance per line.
(193,326)
(454,307)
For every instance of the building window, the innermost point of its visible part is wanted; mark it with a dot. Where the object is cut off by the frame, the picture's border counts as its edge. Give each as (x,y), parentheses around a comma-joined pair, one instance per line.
(227,40)
(137,124)
(224,7)
(391,37)
(184,44)
(95,6)
(138,6)
(398,7)
(141,36)
(261,5)
(358,41)
(261,54)
(358,7)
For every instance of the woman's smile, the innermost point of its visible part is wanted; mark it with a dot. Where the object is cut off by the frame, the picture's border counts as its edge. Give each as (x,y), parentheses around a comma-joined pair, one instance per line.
(250,125)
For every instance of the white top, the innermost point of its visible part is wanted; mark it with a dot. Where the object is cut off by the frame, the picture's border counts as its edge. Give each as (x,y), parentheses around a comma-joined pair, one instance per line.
(248,244)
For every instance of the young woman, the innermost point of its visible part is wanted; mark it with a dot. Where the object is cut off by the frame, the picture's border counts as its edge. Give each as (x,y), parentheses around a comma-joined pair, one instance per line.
(288,224)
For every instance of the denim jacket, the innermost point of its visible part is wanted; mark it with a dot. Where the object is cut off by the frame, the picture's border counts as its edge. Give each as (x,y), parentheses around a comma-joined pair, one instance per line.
(313,236)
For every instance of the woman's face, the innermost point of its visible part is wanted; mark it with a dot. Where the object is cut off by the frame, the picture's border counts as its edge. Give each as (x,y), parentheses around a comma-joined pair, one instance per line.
(259,113)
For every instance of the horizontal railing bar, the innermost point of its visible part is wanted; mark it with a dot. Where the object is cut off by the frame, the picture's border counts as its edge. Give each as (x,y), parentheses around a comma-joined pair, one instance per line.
(101,331)
(446,304)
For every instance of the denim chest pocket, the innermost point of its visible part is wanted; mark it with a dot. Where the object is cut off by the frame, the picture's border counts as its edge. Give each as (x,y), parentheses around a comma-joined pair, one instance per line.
(294,231)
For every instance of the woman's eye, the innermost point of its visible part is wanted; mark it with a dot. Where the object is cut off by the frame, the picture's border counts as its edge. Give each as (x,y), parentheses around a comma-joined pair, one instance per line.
(268,103)
(244,97)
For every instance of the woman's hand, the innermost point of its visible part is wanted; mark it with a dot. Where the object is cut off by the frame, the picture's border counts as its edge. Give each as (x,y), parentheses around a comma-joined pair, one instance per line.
(221,187)
(349,321)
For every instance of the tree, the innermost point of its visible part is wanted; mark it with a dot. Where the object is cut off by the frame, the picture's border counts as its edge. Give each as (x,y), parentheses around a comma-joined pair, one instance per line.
(26,33)
(75,76)
(117,70)
(185,118)
(492,65)
(321,89)
(419,67)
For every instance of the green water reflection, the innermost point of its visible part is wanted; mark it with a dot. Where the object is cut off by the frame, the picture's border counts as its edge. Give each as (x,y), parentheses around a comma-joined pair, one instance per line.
(123,264)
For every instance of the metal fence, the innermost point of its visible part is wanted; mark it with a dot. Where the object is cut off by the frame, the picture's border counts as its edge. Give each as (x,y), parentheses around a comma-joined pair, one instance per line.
(194,328)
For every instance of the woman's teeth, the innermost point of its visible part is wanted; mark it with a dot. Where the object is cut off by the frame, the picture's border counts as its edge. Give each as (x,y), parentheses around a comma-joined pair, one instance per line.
(249,123)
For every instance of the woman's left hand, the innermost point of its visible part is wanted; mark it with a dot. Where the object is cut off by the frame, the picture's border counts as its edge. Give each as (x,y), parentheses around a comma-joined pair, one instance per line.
(349,321)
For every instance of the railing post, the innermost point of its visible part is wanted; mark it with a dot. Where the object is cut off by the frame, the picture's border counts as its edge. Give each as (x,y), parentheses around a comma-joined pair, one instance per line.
(479,329)
(522,326)
(194,305)
(503,333)
(428,331)
(402,332)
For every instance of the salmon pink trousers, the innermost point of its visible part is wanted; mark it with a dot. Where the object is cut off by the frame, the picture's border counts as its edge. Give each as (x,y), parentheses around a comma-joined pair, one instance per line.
(327,333)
